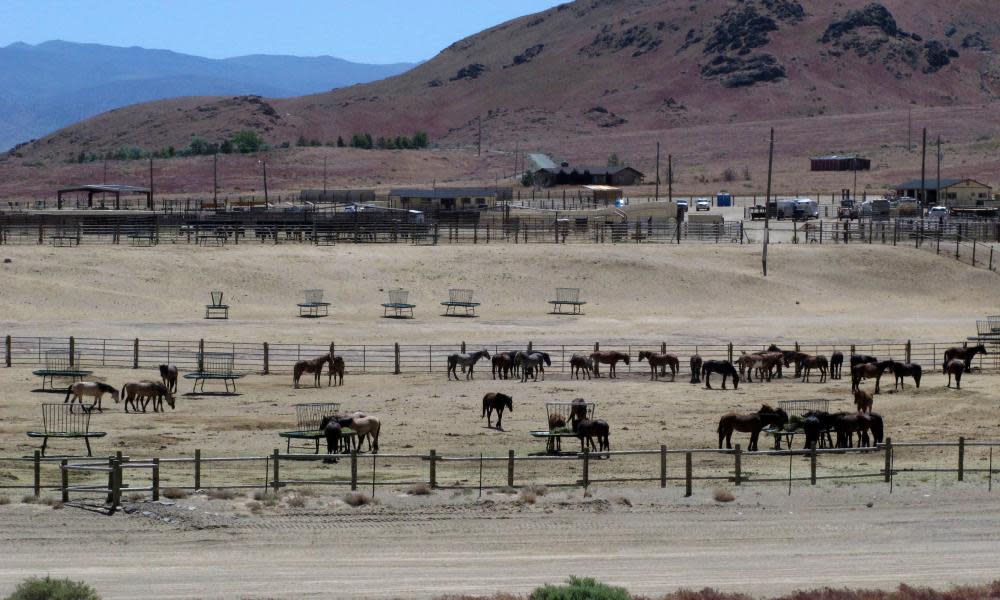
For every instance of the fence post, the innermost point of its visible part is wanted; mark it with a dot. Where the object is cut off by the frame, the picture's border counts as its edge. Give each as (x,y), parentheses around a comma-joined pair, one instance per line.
(7,345)
(991,263)
(354,470)
(267,359)
(909,350)
(737,465)
(64,480)
(888,459)
(38,473)
(276,475)
(853,350)
(530,345)
(72,349)
(135,353)
(730,352)
(510,468)
(433,470)
(395,369)
(197,470)
(586,468)
(663,465)
(973,253)
(687,474)
(812,464)
(463,348)
(961,458)
(156,479)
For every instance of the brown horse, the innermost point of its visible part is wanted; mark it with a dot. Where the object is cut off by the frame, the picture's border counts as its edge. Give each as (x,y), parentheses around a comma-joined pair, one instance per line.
(144,391)
(902,370)
(336,373)
(502,362)
(809,362)
(695,364)
(609,357)
(556,422)
(495,401)
(658,361)
(864,400)
(587,429)
(847,424)
(750,423)
(867,370)
(836,364)
(157,395)
(168,373)
(312,365)
(578,363)
(965,354)
(956,367)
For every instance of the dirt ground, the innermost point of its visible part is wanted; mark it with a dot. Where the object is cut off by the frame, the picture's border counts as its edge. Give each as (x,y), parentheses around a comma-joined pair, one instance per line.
(929,530)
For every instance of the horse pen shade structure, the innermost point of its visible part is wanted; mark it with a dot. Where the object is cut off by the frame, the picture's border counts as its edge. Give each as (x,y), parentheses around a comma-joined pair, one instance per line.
(837,162)
(115,189)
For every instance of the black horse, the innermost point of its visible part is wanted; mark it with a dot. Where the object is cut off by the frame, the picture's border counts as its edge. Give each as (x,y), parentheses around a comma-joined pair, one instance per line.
(901,370)
(722,367)
(860,359)
(696,368)
(587,429)
(836,364)
(495,401)
(816,424)
(333,432)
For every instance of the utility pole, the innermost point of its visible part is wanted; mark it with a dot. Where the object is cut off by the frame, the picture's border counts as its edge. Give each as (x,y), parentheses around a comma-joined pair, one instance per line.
(215,180)
(479,138)
(854,164)
(923,172)
(909,130)
(938,192)
(657,193)
(670,178)
(517,145)
(264,163)
(152,203)
(324,178)
(767,202)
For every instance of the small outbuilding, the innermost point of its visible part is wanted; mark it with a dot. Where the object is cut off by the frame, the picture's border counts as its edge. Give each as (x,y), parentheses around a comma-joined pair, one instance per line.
(457,198)
(604,193)
(587,175)
(114,189)
(948,192)
(839,162)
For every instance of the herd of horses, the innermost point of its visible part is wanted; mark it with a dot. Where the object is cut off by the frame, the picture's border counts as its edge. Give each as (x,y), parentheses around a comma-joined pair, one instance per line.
(815,424)
(137,394)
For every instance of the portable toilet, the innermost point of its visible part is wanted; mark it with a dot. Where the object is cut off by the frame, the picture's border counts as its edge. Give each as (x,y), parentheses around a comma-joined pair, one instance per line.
(723,199)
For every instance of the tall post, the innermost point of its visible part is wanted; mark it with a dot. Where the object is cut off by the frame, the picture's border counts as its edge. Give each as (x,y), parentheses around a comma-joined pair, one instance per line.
(215,181)
(354,470)
(812,464)
(156,479)
(938,186)
(267,359)
(276,475)
(197,469)
(767,202)
(37,463)
(395,370)
(961,458)
(923,172)
(687,474)
(656,195)
(7,348)
(888,459)
(135,353)
(433,469)
(152,202)
(510,468)
(663,465)
(737,465)
(64,480)
(72,351)
(586,468)
(264,164)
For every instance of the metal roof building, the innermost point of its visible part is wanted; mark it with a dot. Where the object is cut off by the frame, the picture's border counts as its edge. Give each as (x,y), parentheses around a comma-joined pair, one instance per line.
(105,188)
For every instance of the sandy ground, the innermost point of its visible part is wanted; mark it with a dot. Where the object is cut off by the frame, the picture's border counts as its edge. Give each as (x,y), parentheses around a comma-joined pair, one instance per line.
(419,547)
(930,530)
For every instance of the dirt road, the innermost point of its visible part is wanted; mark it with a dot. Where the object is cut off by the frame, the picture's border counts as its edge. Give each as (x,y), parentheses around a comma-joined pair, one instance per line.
(417,547)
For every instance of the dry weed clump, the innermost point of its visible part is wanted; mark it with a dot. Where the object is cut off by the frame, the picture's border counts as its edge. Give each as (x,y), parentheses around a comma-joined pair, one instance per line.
(419,489)
(221,494)
(356,499)
(527,497)
(174,493)
(297,501)
(721,495)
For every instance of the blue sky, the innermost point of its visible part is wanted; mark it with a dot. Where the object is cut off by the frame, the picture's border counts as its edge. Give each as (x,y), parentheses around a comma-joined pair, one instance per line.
(374,31)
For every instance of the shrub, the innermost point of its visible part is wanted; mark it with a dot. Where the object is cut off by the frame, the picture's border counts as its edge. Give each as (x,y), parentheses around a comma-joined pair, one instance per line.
(357,499)
(4,500)
(419,489)
(729,174)
(527,497)
(580,589)
(538,490)
(296,501)
(721,495)
(35,588)
(174,493)
(247,142)
(218,494)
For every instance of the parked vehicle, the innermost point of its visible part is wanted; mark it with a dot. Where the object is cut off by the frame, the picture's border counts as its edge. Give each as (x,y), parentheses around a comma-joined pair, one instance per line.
(937,212)
(703,204)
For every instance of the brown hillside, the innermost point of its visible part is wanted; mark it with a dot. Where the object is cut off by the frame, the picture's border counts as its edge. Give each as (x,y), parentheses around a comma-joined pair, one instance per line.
(582,76)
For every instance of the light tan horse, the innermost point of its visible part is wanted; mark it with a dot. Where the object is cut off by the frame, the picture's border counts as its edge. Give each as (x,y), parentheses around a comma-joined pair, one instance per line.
(657,361)
(94,389)
(312,365)
(367,427)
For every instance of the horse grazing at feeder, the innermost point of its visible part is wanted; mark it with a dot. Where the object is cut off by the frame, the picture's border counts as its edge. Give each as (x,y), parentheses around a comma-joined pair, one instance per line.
(817,424)
(869,370)
(763,363)
(863,400)
(901,370)
(751,423)
(466,360)
(659,361)
(588,429)
(94,389)
(168,373)
(836,364)
(364,426)
(311,365)
(608,357)
(578,363)
(695,364)
(809,362)
(964,354)
(722,367)
(333,431)
(847,424)
(956,367)
(495,401)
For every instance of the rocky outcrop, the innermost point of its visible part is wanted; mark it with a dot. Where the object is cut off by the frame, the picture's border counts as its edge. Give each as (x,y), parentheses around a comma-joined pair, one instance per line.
(873,15)
(640,39)
(735,72)
(527,55)
(472,71)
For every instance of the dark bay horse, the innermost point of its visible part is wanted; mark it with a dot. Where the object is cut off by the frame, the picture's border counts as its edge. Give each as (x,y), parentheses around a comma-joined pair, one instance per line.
(579,362)
(333,432)
(901,370)
(336,372)
(869,370)
(956,367)
(532,363)
(836,364)
(863,400)
(495,401)
(860,359)
(847,424)
(965,354)
(608,357)
(168,373)
(312,365)
(722,367)
(658,361)
(587,429)
(750,423)
(695,368)
(809,362)
(466,360)
(502,363)
(817,425)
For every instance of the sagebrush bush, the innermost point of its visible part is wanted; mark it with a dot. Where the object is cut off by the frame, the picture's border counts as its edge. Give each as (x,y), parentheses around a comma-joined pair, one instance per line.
(35,588)
(580,588)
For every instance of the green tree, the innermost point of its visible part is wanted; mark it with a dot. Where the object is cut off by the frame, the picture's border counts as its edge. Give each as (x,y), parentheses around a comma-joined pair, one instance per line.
(226,147)
(420,139)
(247,142)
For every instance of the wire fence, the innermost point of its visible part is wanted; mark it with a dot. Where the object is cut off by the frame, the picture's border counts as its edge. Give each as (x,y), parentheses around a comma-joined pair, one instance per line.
(267,357)
(960,460)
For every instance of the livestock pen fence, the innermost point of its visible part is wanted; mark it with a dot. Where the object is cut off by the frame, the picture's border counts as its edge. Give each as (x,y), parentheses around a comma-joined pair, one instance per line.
(269,357)
(681,469)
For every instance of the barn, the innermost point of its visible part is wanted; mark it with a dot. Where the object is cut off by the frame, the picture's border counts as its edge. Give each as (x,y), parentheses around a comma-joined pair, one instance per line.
(448,199)
(948,192)
(839,162)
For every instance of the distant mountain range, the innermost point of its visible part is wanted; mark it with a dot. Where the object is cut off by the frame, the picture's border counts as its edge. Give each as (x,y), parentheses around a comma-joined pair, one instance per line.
(54,84)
